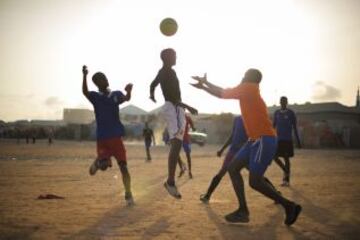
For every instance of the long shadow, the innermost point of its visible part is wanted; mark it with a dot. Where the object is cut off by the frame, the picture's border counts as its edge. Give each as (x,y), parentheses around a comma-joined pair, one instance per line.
(112,220)
(342,228)
(157,228)
(243,231)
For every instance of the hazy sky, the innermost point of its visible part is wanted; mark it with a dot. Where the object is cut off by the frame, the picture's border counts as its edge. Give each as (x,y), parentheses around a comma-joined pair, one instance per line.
(308,50)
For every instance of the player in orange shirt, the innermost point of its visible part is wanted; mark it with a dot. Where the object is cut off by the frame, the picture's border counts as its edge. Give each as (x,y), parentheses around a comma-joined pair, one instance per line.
(260,149)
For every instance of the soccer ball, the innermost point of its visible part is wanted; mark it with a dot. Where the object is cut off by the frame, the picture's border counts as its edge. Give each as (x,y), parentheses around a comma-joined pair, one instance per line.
(168,27)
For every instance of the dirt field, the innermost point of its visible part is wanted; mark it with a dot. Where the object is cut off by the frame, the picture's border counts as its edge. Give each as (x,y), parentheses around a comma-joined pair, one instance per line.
(325,182)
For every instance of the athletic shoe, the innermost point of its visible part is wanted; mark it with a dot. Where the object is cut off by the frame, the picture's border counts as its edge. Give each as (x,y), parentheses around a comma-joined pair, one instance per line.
(204,198)
(93,168)
(237,217)
(292,212)
(285,184)
(182,171)
(129,199)
(190,175)
(172,190)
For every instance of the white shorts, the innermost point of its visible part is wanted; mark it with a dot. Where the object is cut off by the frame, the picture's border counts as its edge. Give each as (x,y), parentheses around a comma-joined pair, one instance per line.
(174,117)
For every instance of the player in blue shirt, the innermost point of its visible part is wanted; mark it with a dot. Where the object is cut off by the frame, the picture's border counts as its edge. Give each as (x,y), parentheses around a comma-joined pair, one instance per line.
(285,122)
(109,129)
(237,138)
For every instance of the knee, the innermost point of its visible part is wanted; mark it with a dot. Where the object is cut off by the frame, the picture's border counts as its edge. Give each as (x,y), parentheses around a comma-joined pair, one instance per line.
(123,167)
(254,181)
(232,170)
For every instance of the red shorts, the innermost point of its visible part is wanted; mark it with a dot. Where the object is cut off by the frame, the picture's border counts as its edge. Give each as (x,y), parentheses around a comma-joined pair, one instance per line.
(111,147)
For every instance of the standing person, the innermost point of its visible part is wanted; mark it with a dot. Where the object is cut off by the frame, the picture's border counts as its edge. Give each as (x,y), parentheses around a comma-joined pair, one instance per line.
(173,113)
(149,138)
(109,129)
(236,140)
(187,141)
(50,133)
(259,150)
(33,135)
(284,122)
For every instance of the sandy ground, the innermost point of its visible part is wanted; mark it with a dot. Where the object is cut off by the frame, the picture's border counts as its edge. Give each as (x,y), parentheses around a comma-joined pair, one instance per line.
(325,182)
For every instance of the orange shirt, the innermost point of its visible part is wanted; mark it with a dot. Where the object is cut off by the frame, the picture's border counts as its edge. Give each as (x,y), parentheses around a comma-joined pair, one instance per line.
(253,109)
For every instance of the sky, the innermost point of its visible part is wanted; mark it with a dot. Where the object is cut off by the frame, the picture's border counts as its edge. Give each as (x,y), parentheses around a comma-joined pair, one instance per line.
(307,50)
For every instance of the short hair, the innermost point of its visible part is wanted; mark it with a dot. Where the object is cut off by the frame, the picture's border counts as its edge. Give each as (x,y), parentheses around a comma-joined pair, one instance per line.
(283,98)
(166,53)
(98,76)
(253,75)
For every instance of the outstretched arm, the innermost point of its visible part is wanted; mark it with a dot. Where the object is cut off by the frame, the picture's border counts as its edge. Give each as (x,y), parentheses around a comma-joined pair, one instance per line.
(85,89)
(192,110)
(204,84)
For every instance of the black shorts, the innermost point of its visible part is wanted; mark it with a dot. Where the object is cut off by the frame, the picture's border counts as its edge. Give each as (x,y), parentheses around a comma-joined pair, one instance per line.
(285,149)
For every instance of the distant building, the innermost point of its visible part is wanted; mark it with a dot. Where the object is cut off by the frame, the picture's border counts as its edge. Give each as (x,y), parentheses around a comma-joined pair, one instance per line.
(78,116)
(327,124)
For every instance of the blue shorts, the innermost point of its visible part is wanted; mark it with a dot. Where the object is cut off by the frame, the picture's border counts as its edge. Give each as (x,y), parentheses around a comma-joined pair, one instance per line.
(259,153)
(187,147)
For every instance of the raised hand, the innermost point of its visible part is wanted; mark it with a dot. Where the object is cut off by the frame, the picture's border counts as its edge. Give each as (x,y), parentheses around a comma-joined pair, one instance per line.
(153,99)
(201,80)
(85,70)
(128,87)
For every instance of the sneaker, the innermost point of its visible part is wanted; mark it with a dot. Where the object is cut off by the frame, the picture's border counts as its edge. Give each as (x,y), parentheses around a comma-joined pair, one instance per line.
(93,168)
(238,217)
(129,199)
(190,175)
(292,212)
(204,198)
(172,190)
(182,171)
(285,184)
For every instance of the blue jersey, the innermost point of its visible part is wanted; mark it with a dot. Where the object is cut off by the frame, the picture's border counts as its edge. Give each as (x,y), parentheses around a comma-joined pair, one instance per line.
(284,122)
(106,109)
(239,136)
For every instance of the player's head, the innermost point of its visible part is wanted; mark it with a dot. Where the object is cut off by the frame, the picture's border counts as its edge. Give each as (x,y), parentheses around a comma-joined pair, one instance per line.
(100,81)
(252,75)
(283,102)
(168,57)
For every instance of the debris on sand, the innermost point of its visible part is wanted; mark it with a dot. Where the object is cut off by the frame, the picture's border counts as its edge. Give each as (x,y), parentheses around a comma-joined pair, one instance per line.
(49,196)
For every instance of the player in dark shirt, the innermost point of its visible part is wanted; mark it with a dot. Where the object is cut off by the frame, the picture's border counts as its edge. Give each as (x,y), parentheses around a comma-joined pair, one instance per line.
(173,113)
(149,138)
(284,123)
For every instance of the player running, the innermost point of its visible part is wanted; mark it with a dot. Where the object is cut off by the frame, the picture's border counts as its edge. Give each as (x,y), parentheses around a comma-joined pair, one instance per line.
(109,129)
